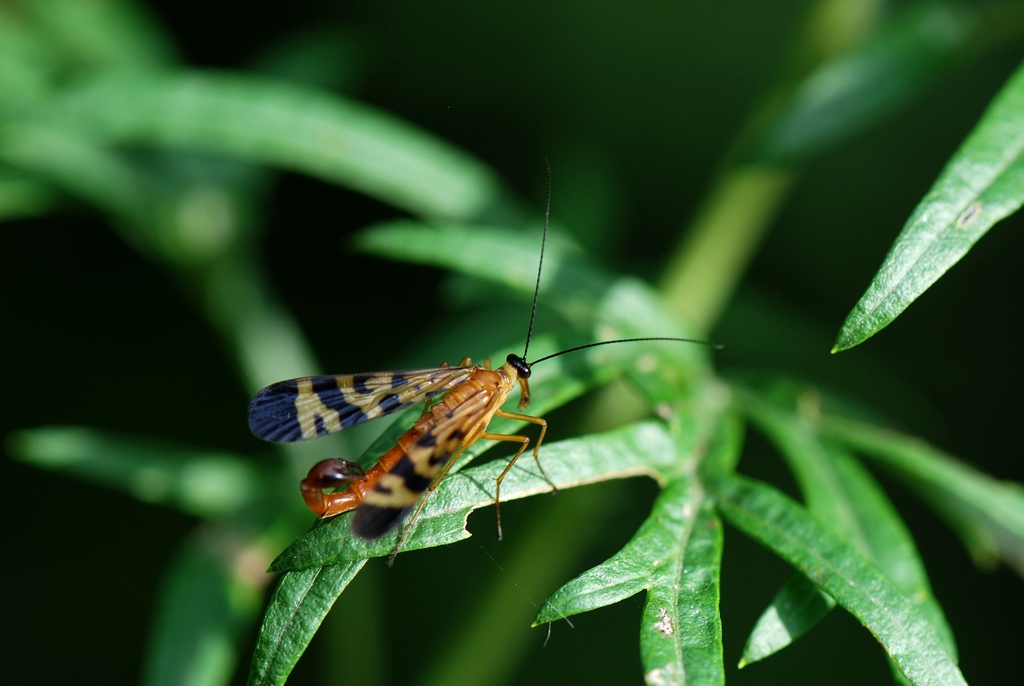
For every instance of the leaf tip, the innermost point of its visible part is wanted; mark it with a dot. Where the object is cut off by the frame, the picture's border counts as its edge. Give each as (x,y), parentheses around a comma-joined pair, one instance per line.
(844,342)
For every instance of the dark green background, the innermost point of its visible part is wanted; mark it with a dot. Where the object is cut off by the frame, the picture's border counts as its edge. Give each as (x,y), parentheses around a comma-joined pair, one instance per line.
(635,105)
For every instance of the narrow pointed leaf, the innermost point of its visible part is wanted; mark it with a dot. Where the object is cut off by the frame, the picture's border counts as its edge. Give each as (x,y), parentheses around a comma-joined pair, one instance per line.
(864,85)
(657,544)
(837,568)
(206,605)
(499,255)
(796,608)
(675,556)
(270,122)
(882,536)
(681,628)
(987,513)
(80,167)
(843,496)
(296,610)
(201,482)
(981,184)
(887,541)
(633,568)
(799,605)
(508,258)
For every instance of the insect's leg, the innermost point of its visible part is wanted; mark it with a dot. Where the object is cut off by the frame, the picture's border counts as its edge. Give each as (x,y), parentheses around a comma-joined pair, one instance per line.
(423,501)
(540,439)
(523,441)
(407,529)
(333,473)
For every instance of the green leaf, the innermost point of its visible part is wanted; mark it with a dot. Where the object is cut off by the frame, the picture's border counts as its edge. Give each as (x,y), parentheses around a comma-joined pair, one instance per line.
(887,541)
(296,610)
(792,431)
(681,629)
(500,255)
(799,605)
(82,168)
(212,594)
(269,122)
(676,557)
(796,609)
(864,85)
(662,537)
(837,568)
(27,60)
(508,258)
(981,184)
(843,496)
(204,483)
(987,513)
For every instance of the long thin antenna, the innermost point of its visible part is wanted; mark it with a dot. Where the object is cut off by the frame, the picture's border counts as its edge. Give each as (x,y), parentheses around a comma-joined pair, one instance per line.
(716,346)
(540,265)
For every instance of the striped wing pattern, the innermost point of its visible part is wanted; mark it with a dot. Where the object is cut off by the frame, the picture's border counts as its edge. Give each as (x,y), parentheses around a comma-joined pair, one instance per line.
(314,406)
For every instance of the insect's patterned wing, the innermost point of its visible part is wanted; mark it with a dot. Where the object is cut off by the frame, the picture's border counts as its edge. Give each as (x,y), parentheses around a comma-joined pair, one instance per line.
(313,406)
(397,491)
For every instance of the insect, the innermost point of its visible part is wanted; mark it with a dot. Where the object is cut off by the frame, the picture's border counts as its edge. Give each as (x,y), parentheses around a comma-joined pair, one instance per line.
(315,406)
(459,403)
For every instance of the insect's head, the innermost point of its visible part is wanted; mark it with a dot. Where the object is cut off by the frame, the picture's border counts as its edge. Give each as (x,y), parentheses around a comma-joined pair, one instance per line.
(520,365)
(522,368)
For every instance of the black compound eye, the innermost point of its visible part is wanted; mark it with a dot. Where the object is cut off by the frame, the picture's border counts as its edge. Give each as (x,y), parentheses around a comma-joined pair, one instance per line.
(522,368)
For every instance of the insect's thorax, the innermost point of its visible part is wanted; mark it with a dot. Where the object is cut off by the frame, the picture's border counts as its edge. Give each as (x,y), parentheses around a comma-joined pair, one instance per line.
(483,388)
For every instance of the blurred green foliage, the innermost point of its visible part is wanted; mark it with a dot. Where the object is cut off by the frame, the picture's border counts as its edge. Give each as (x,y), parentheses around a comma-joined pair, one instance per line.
(185,192)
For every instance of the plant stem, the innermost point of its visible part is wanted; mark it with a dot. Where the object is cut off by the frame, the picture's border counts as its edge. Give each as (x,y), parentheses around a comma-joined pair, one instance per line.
(708,265)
